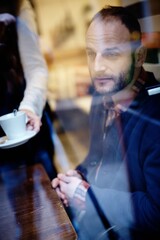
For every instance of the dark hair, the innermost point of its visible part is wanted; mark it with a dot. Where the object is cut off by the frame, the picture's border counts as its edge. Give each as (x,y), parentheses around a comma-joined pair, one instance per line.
(126,17)
(10,6)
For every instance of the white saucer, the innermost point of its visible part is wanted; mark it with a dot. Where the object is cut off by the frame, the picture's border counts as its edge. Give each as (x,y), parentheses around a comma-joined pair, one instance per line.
(6,143)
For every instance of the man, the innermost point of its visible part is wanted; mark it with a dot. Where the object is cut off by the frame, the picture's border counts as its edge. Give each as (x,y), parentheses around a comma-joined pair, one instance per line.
(115,192)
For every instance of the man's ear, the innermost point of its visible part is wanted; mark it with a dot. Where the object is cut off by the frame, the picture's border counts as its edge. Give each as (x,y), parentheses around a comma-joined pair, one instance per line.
(140,56)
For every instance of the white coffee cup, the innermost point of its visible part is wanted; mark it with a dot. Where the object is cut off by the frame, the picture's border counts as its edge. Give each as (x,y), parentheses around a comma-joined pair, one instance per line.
(14,124)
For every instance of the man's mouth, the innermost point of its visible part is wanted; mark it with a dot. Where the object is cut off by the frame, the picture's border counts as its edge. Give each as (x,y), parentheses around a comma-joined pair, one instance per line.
(103,80)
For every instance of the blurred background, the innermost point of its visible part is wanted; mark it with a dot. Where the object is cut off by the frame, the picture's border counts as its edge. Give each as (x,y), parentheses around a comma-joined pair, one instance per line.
(62,25)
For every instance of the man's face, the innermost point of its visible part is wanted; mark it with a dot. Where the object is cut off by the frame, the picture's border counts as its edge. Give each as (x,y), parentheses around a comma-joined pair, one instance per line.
(109,55)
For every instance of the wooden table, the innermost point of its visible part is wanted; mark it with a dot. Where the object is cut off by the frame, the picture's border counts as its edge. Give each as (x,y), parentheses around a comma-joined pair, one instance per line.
(30,209)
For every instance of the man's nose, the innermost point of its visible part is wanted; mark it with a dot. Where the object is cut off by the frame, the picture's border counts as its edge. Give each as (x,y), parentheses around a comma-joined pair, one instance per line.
(99,64)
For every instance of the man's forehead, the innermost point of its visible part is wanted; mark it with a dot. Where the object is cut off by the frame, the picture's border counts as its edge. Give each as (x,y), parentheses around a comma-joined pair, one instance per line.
(108,31)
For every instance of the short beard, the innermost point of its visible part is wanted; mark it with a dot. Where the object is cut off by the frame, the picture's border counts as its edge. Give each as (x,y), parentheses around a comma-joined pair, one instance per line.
(123,80)
(120,84)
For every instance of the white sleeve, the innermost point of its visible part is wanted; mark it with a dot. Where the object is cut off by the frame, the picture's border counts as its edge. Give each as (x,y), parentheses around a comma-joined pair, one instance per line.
(27,14)
(34,65)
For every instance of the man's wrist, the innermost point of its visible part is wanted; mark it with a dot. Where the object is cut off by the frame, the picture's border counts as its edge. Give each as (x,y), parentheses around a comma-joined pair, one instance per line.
(80,194)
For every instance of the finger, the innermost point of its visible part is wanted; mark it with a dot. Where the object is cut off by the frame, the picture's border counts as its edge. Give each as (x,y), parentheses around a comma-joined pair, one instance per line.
(30,127)
(34,124)
(34,121)
(66,203)
(64,178)
(60,194)
(63,188)
(71,172)
(55,182)
(37,124)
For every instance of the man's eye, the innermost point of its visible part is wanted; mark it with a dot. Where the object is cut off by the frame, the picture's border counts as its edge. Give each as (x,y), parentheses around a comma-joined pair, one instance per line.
(111,54)
(91,54)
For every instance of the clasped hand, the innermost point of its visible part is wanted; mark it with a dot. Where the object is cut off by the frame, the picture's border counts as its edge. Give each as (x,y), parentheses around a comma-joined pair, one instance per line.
(66,184)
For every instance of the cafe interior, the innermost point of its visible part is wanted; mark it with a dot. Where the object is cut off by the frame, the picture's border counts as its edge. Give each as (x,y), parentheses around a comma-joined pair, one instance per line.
(32,210)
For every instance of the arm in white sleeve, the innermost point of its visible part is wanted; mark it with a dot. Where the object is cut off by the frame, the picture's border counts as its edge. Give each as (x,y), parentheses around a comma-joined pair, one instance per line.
(34,66)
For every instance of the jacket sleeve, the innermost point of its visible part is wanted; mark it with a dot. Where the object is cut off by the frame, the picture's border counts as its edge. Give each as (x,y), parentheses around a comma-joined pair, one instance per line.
(33,63)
